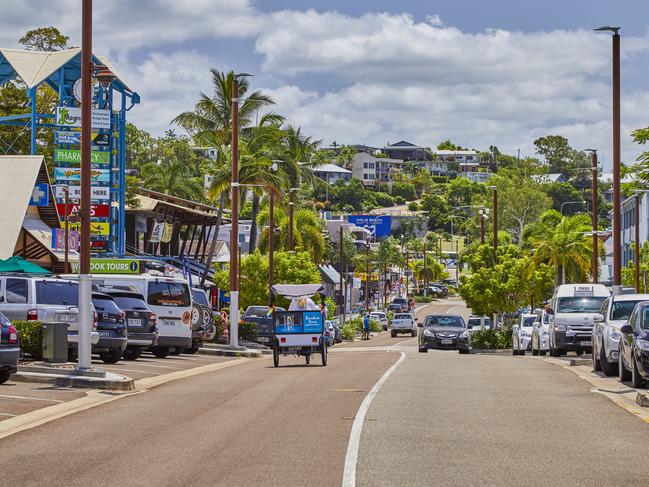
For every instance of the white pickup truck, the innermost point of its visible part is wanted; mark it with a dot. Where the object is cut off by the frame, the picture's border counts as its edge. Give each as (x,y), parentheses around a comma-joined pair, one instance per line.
(404,323)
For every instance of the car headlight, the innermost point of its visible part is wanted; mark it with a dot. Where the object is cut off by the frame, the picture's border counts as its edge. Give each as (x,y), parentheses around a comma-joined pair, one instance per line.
(524,333)
(642,345)
(559,327)
(428,332)
(614,334)
(464,334)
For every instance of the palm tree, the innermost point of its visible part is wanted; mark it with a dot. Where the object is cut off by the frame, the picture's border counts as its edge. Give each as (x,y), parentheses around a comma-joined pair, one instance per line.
(174,177)
(566,246)
(308,234)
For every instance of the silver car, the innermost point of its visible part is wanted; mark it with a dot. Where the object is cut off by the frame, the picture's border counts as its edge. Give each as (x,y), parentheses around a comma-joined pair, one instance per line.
(540,335)
(615,311)
(381,317)
(522,334)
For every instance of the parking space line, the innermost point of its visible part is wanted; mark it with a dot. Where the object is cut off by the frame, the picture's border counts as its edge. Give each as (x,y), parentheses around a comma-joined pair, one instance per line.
(7,414)
(147,365)
(138,371)
(30,398)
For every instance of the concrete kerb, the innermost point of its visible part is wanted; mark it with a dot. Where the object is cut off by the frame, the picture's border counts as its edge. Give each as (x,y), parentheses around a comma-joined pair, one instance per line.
(111,381)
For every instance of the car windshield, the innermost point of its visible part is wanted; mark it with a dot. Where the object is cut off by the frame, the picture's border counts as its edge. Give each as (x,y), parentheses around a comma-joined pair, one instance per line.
(455,321)
(171,294)
(399,301)
(621,310)
(130,302)
(402,316)
(528,320)
(576,304)
(199,297)
(378,315)
(256,312)
(61,293)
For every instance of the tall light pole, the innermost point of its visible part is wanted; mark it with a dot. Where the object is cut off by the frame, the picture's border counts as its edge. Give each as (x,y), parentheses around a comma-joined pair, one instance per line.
(85,283)
(367,275)
(495,218)
(594,265)
(341,299)
(484,215)
(271,243)
(637,241)
(291,206)
(617,224)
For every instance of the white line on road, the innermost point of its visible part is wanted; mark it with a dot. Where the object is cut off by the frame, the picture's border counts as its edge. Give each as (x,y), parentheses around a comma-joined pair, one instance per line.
(30,398)
(7,414)
(351,459)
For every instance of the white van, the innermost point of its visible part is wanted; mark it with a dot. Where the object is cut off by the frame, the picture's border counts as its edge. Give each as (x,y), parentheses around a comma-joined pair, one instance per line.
(574,307)
(170,298)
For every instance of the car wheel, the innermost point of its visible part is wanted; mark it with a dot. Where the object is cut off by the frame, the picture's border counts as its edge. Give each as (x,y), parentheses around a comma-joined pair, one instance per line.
(176,351)
(160,352)
(579,352)
(597,366)
(514,351)
(132,353)
(607,367)
(307,357)
(394,334)
(4,376)
(192,350)
(463,351)
(521,352)
(423,350)
(636,379)
(542,353)
(111,357)
(622,373)
(413,333)
(276,355)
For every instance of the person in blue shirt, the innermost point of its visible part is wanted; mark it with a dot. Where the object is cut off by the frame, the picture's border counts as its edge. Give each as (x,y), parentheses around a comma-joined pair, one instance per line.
(366,327)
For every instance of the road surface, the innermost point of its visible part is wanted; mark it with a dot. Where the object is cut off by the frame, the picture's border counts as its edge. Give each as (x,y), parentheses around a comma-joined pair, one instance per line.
(440,419)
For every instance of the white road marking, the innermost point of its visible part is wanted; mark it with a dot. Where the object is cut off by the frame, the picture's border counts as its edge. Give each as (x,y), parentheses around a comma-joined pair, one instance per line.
(7,414)
(136,370)
(30,398)
(351,459)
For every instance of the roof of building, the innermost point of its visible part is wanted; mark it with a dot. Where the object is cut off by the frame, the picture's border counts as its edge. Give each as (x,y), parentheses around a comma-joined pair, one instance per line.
(165,206)
(331,168)
(402,144)
(549,178)
(607,177)
(19,175)
(444,152)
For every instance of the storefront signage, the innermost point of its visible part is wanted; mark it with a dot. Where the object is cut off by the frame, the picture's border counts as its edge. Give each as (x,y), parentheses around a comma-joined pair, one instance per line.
(96,228)
(40,195)
(74,156)
(379,226)
(111,266)
(58,239)
(99,211)
(71,117)
(67,137)
(96,193)
(74,174)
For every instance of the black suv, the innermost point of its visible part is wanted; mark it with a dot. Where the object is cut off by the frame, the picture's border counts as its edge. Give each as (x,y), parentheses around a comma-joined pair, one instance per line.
(259,315)
(111,327)
(9,349)
(399,305)
(141,323)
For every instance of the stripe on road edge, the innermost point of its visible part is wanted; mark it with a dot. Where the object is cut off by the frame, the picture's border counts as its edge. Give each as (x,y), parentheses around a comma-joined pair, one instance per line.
(351,458)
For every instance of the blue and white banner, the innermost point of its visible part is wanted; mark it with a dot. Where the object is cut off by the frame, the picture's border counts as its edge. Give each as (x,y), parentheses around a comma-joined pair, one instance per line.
(67,137)
(378,225)
(74,174)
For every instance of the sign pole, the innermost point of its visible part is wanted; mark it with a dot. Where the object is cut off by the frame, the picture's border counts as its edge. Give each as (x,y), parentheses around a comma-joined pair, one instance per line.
(66,231)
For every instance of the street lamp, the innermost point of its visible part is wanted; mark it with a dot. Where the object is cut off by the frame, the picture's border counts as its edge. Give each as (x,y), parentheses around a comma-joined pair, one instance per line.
(594,266)
(617,237)
(571,203)
(495,224)
(637,194)
(484,215)
(291,205)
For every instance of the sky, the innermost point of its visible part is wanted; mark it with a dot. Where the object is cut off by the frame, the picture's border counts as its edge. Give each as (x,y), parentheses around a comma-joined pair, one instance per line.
(502,72)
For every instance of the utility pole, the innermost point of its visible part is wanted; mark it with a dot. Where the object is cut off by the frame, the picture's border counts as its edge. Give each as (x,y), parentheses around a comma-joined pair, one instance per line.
(495,223)
(85,282)
(406,271)
(637,242)
(482,217)
(271,243)
(66,192)
(291,204)
(341,298)
(594,266)
(234,229)
(367,275)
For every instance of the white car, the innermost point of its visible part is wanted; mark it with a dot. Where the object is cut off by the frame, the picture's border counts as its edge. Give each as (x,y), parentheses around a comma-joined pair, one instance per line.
(381,317)
(615,311)
(540,335)
(522,334)
(404,323)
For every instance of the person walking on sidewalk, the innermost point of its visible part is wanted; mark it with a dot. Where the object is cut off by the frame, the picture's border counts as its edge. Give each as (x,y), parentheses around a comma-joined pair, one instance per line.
(366,327)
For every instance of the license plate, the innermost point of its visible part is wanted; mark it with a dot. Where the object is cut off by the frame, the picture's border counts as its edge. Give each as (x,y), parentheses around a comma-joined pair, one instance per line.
(168,322)
(263,339)
(104,333)
(446,341)
(66,317)
(135,322)
(587,343)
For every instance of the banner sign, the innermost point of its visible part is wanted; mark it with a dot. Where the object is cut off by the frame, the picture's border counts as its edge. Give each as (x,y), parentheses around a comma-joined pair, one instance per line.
(99,245)
(101,139)
(289,322)
(67,137)
(71,117)
(380,226)
(111,266)
(58,239)
(96,193)
(40,195)
(96,228)
(157,232)
(74,156)
(74,174)
(99,211)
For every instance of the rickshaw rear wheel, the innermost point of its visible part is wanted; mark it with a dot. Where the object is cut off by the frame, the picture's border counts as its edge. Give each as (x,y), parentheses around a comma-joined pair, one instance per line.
(276,355)
(308,358)
(323,352)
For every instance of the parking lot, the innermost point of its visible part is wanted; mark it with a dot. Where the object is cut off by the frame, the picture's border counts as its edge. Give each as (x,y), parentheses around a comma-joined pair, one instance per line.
(18,398)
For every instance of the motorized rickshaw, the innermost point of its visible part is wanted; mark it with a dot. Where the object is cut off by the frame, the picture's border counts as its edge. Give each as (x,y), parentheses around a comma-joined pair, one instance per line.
(300,330)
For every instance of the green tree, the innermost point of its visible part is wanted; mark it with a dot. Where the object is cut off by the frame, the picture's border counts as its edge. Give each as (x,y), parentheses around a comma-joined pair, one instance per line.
(562,158)
(405,190)
(461,192)
(448,145)
(563,193)
(44,39)
(307,233)
(422,181)
(438,210)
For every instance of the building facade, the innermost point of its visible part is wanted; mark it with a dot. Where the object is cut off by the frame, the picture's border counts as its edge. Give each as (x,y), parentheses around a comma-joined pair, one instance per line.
(330,173)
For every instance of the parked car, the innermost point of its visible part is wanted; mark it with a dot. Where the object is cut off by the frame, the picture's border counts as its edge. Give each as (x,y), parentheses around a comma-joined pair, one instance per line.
(633,357)
(337,333)
(540,333)
(445,332)
(9,349)
(381,317)
(111,326)
(330,333)
(169,298)
(574,307)
(203,329)
(264,321)
(615,312)
(476,323)
(141,322)
(46,299)
(399,304)
(403,323)
(522,334)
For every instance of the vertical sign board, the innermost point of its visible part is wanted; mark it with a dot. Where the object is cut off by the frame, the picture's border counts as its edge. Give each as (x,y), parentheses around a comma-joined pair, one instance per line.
(40,195)
(58,239)
(379,225)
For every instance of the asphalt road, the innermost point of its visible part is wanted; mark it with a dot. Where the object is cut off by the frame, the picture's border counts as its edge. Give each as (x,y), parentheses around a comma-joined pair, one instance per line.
(440,419)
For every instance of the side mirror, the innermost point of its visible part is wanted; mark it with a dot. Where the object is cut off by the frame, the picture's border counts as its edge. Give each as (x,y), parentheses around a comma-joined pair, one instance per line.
(420,325)
(598,317)
(626,329)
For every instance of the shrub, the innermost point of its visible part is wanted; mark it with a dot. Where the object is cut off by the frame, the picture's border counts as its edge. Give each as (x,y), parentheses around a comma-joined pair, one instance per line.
(414,206)
(423,299)
(494,339)
(31,338)
(348,331)
(247,331)
(383,199)
(405,190)
(399,200)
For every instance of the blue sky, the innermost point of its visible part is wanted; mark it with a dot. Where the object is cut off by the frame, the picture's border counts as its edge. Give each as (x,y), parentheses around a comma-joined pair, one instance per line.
(501,72)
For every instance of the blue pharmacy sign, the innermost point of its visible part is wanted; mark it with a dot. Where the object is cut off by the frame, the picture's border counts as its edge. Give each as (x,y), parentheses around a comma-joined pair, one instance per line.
(379,225)
(40,195)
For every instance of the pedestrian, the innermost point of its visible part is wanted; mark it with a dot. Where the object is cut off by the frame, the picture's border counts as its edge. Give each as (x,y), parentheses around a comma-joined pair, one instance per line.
(366,327)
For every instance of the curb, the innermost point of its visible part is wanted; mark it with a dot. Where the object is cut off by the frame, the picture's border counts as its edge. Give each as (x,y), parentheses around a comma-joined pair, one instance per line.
(111,382)
(232,353)
(575,362)
(642,399)
(99,374)
(491,351)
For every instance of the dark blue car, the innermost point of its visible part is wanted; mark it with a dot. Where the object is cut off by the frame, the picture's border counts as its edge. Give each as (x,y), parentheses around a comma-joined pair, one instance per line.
(633,357)
(9,349)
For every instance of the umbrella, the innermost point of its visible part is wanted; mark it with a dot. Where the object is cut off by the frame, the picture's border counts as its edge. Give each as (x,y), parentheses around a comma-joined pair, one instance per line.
(18,264)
